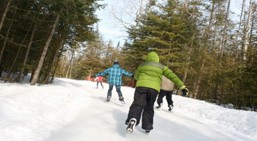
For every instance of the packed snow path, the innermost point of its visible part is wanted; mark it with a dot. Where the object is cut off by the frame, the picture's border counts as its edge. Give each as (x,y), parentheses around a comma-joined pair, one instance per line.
(71,110)
(106,120)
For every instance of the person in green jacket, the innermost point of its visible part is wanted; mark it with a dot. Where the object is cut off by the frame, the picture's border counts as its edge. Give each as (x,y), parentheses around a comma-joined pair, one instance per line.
(149,77)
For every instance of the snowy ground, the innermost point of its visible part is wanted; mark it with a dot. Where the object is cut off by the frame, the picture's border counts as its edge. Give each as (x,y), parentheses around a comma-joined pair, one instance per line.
(71,110)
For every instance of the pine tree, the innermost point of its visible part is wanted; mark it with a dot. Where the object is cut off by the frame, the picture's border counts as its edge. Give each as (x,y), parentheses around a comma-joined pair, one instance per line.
(166,29)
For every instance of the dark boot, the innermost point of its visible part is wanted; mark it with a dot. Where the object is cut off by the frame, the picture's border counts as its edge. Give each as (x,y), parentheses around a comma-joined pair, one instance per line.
(121,98)
(170,107)
(159,106)
(108,98)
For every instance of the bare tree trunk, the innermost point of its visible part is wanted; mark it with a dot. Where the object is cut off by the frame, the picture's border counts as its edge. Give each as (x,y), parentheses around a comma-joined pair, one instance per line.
(54,62)
(5,41)
(190,49)
(251,60)
(218,85)
(247,30)
(42,58)
(7,35)
(27,54)
(237,54)
(224,38)
(188,60)
(207,36)
(4,14)
(241,15)
(197,84)
(17,54)
(69,71)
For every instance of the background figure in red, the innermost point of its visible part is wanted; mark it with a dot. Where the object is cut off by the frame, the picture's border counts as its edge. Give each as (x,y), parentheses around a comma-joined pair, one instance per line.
(99,79)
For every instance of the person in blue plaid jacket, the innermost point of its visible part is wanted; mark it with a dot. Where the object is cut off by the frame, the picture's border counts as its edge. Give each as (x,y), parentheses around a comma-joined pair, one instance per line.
(115,79)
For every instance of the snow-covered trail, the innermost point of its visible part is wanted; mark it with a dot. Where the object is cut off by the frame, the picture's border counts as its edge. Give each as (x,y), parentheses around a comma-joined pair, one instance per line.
(100,121)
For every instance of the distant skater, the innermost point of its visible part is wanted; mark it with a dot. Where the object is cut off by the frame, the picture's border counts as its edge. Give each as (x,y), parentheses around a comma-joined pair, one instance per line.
(115,79)
(167,88)
(99,79)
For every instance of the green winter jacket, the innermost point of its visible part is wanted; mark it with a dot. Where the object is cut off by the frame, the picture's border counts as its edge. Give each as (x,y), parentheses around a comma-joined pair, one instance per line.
(149,74)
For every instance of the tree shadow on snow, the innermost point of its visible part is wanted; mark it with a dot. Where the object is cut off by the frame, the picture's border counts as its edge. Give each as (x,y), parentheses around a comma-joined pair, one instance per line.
(120,118)
(166,128)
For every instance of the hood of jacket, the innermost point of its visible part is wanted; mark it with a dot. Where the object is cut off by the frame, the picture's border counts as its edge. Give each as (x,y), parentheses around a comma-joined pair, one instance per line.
(116,66)
(152,57)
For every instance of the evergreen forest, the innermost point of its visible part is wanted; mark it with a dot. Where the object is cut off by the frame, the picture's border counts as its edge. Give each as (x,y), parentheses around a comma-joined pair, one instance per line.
(209,46)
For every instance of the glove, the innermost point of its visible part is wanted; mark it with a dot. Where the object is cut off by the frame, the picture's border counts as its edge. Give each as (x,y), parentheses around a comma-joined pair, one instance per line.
(184,91)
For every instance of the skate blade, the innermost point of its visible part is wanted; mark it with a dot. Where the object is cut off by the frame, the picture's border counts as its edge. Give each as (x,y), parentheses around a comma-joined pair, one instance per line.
(129,130)
(131,126)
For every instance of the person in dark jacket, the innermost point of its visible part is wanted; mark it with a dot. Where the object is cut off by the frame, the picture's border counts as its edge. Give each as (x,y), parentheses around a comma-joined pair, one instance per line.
(149,76)
(115,79)
(167,88)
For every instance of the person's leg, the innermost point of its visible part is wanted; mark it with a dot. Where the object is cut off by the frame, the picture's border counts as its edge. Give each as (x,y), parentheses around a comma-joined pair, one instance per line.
(102,84)
(138,104)
(109,93)
(97,84)
(159,99)
(169,99)
(118,90)
(148,113)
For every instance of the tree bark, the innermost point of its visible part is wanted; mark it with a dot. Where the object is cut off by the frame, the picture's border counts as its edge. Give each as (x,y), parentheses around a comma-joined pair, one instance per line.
(69,71)
(7,35)
(42,58)
(54,62)
(27,54)
(247,30)
(188,60)
(207,36)
(235,49)
(197,84)
(17,54)
(224,37)
(4,14)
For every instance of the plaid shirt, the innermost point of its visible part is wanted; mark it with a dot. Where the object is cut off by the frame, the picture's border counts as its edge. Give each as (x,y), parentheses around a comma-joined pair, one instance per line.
(115,74)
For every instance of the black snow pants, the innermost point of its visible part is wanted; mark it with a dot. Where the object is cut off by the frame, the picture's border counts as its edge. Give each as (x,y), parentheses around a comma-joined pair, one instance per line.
(143,104)
(168,95)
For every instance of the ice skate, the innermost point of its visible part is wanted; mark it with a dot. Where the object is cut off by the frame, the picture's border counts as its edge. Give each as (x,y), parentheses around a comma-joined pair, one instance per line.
(131,125)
